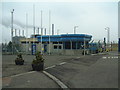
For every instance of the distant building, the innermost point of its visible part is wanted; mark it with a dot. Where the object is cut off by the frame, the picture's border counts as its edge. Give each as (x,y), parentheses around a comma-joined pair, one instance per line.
(66,44)
(16,39)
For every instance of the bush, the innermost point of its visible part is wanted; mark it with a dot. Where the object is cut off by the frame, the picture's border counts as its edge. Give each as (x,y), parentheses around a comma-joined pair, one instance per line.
(19,60)
(38,63)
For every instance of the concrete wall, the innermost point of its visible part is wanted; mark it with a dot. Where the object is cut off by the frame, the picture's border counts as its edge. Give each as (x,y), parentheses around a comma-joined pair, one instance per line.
(52,50)
(26,48)
(72,52)
(114,47)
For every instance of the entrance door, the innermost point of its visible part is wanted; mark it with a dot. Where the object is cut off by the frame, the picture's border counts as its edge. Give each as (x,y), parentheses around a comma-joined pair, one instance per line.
(33,49)
(45,47)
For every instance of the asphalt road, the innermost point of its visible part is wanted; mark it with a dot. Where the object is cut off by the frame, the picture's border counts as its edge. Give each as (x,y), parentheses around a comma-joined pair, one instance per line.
(98,71)
(9,68)
(91,71)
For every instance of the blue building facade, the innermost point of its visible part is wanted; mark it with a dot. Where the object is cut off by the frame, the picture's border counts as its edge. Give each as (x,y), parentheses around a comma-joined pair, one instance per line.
(69,44)
(69,41)
(66,44)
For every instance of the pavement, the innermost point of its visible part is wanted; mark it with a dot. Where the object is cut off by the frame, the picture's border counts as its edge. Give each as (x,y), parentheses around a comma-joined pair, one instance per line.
(30,80)
(23,77)
(90,71)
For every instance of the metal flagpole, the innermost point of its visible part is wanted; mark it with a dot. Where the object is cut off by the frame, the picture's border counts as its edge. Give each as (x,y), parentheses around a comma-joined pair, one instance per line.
(49,29)
(26,30)
(41,32)
(84,46)
(12,29)
(33,29)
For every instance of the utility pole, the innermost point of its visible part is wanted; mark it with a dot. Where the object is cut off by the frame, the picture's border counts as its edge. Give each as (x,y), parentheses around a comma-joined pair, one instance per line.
(41,32)
(84,46)
(15,32)
(26,31)
(12,28)
(34,19)
(49,29)
(33,46)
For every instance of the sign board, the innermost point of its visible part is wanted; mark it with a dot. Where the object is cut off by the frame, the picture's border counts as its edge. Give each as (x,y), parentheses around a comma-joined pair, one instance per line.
(33,49)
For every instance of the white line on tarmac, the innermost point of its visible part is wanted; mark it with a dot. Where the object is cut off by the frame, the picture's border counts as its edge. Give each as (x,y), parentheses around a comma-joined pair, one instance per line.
(93,54)
(62,63)
(104,57)
(22,74)
(35,71)
(50,67)
(101,53)
(78,57)
(110,57)
(61,84)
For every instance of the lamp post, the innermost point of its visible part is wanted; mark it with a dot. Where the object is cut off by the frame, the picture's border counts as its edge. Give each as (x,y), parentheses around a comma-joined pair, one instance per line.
(41,32)
(12,29)
(75,29)
(26,32)
(84,46)
(49,29)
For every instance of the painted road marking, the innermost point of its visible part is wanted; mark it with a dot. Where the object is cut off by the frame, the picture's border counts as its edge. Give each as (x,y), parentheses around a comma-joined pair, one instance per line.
(50,67)
(115,57)
(55,65)
(78,57)
(62,63)
(93,54)
(104,57)
(34,71)
(101,53)
(61,84)
(22,74)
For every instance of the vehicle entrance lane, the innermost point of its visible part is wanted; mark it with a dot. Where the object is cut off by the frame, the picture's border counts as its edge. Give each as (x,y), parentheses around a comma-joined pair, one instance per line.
(88,72)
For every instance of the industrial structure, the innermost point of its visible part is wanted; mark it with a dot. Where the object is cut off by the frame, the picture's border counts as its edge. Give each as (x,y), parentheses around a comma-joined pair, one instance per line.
(67,44)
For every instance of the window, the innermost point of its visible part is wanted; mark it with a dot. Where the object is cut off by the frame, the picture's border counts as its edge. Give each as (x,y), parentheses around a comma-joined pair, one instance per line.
(55,47)
(67,45)
(60,47)
(55,42)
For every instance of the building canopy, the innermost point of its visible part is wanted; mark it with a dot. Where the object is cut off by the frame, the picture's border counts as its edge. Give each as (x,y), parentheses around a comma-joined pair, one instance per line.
(65,38)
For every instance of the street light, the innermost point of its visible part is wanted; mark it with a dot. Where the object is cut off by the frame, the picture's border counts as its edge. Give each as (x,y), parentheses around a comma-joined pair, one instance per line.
(75,29)
(12,28)
(41,32)
(49,28)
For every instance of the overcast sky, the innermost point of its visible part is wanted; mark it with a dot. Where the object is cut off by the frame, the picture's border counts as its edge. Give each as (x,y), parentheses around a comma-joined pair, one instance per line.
(90,17)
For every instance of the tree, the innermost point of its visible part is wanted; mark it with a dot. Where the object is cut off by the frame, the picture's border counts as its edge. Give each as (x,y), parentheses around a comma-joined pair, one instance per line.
(9,47)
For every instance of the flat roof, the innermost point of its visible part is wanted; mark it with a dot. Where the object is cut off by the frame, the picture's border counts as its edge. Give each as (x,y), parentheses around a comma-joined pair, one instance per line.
(65,37)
